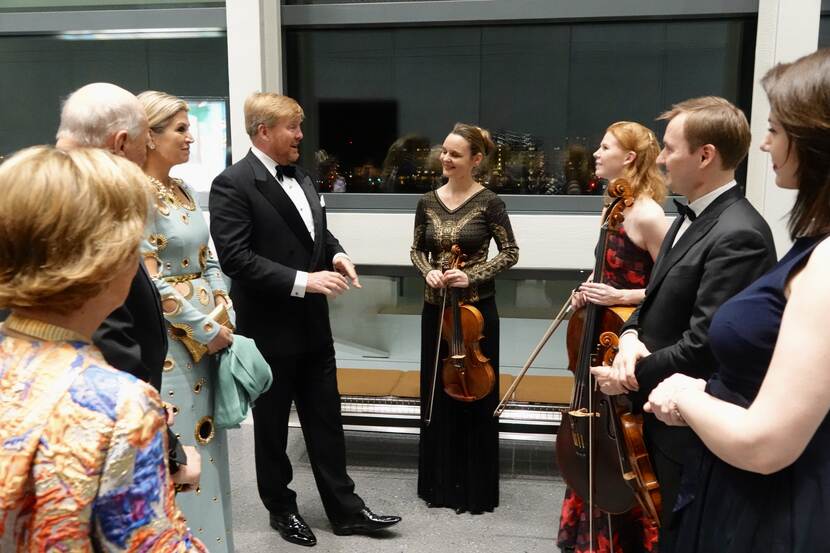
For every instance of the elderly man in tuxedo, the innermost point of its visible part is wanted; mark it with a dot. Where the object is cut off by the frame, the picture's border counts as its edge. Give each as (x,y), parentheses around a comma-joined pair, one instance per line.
(717,246)
(133,337)
(269,227)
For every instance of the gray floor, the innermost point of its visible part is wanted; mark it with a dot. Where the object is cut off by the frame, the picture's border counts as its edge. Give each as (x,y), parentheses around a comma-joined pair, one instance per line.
(384,468)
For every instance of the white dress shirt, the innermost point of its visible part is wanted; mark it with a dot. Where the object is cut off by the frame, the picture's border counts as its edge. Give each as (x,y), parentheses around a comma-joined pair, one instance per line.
(300,201)
(698,206)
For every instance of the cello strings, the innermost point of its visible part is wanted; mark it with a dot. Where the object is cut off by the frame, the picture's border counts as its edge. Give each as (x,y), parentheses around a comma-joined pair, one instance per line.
(590,467)
(590,320)
(610,533)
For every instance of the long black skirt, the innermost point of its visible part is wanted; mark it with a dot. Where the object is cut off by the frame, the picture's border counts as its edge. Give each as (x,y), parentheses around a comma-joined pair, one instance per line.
(458,464)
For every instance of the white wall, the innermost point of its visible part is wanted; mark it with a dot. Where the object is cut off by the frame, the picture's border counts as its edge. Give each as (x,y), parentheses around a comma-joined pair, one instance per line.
(546,241)
(787,30)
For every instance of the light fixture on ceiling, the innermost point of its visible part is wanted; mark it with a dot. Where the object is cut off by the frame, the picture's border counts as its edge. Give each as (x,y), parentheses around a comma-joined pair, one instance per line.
(142,34)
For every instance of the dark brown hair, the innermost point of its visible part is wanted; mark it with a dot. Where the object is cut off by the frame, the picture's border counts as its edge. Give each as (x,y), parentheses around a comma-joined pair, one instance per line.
(480,143)
(799,98)
(716,121)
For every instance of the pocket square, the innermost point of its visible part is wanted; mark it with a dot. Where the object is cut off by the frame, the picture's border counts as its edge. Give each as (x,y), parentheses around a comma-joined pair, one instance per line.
(322,201)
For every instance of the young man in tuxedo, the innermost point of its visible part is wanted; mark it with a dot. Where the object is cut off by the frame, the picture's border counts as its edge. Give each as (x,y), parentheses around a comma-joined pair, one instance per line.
(269,227)
(717,246)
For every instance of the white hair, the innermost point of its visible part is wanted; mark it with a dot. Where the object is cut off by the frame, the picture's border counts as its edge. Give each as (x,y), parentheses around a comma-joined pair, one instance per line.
(95,112)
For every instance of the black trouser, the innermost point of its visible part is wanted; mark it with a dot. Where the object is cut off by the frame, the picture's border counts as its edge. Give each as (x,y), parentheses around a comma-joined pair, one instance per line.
(310,380)
(668,473)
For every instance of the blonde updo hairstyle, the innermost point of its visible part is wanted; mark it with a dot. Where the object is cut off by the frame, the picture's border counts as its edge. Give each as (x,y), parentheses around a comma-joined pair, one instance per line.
(480,143)
(643,175)
(69,222)
(160,108)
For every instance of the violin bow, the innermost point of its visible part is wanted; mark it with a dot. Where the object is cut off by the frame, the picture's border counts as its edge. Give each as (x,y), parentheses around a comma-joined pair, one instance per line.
(566,308)
(437,357)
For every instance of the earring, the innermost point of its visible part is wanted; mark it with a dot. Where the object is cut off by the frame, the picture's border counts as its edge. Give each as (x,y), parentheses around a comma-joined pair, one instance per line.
(151,146)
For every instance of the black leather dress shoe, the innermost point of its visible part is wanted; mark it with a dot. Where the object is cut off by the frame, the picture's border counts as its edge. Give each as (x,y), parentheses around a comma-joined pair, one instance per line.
(293,528)
(364,522)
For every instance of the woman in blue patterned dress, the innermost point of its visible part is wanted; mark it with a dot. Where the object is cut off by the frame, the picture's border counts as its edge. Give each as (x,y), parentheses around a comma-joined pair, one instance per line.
(178,257)
(83,464)
(761,479)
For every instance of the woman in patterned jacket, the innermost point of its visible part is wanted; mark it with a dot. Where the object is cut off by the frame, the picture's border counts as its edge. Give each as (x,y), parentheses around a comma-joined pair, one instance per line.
(83,464)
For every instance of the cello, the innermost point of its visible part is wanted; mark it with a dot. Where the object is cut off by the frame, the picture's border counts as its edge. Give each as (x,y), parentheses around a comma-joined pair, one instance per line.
(599,446)
(466,372)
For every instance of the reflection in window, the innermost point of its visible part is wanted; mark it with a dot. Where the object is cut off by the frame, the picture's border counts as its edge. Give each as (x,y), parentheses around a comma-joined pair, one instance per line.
(380,101)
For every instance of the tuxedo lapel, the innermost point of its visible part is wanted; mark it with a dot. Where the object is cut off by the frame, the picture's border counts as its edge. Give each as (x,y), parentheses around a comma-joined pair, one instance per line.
(307,186)
(276,196)
(670,254)
(668,240)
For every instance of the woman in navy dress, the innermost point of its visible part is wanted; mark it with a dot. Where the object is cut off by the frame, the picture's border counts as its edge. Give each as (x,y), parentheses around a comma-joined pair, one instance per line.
(761,479)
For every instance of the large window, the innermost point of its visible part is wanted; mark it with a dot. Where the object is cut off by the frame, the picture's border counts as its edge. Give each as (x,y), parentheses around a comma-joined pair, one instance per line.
(21,5)
(379,101)
(39,71)
(824,31)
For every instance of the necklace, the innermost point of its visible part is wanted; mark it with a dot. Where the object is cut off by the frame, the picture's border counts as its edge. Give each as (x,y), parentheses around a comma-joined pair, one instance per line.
(167,194)
(41,330)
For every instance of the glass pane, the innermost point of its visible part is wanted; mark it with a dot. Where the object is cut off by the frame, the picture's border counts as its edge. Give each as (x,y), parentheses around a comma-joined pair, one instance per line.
(380,327)
(379,101)
(824,32)
(36,5)
(45,70)
(309,2)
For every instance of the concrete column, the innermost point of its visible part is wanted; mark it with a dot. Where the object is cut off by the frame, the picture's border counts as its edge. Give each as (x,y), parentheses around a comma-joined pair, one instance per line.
(254,60)
(787,30)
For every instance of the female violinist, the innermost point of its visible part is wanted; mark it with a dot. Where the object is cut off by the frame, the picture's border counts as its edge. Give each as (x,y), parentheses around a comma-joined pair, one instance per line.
(628,150)
(458,453)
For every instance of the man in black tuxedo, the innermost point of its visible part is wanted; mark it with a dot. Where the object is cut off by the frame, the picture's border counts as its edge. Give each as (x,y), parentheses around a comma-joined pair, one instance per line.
(717,246)
(133,338)
(269,228)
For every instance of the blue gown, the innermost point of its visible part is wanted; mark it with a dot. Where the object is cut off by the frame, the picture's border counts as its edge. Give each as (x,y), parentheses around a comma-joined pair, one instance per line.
(177,237)
(729,510)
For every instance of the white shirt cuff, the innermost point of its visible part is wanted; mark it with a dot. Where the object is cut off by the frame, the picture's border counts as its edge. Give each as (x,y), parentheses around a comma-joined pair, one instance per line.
(300,283)
(341,254)
(631,331)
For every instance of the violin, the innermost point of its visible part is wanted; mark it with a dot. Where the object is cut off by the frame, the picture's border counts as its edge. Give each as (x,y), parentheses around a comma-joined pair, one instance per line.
(600,446)
(466,372)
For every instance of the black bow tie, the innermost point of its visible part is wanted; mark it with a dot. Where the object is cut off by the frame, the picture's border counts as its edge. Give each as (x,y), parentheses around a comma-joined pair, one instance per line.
(285,171)
(685,210)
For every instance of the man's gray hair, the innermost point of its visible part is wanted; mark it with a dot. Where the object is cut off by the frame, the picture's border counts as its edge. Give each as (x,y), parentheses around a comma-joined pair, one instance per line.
(95,112)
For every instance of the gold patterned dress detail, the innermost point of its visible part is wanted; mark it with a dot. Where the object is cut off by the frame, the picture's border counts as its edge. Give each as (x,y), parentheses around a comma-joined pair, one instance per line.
(471,225)
(189,281)
(458,453)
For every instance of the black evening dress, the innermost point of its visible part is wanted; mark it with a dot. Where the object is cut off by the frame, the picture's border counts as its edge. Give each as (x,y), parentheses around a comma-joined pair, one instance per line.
(729,510)
(458,463)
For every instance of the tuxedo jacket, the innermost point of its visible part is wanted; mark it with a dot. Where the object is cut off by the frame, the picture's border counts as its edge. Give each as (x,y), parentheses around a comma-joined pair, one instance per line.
(134,337)
(727,247)
(262,242)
